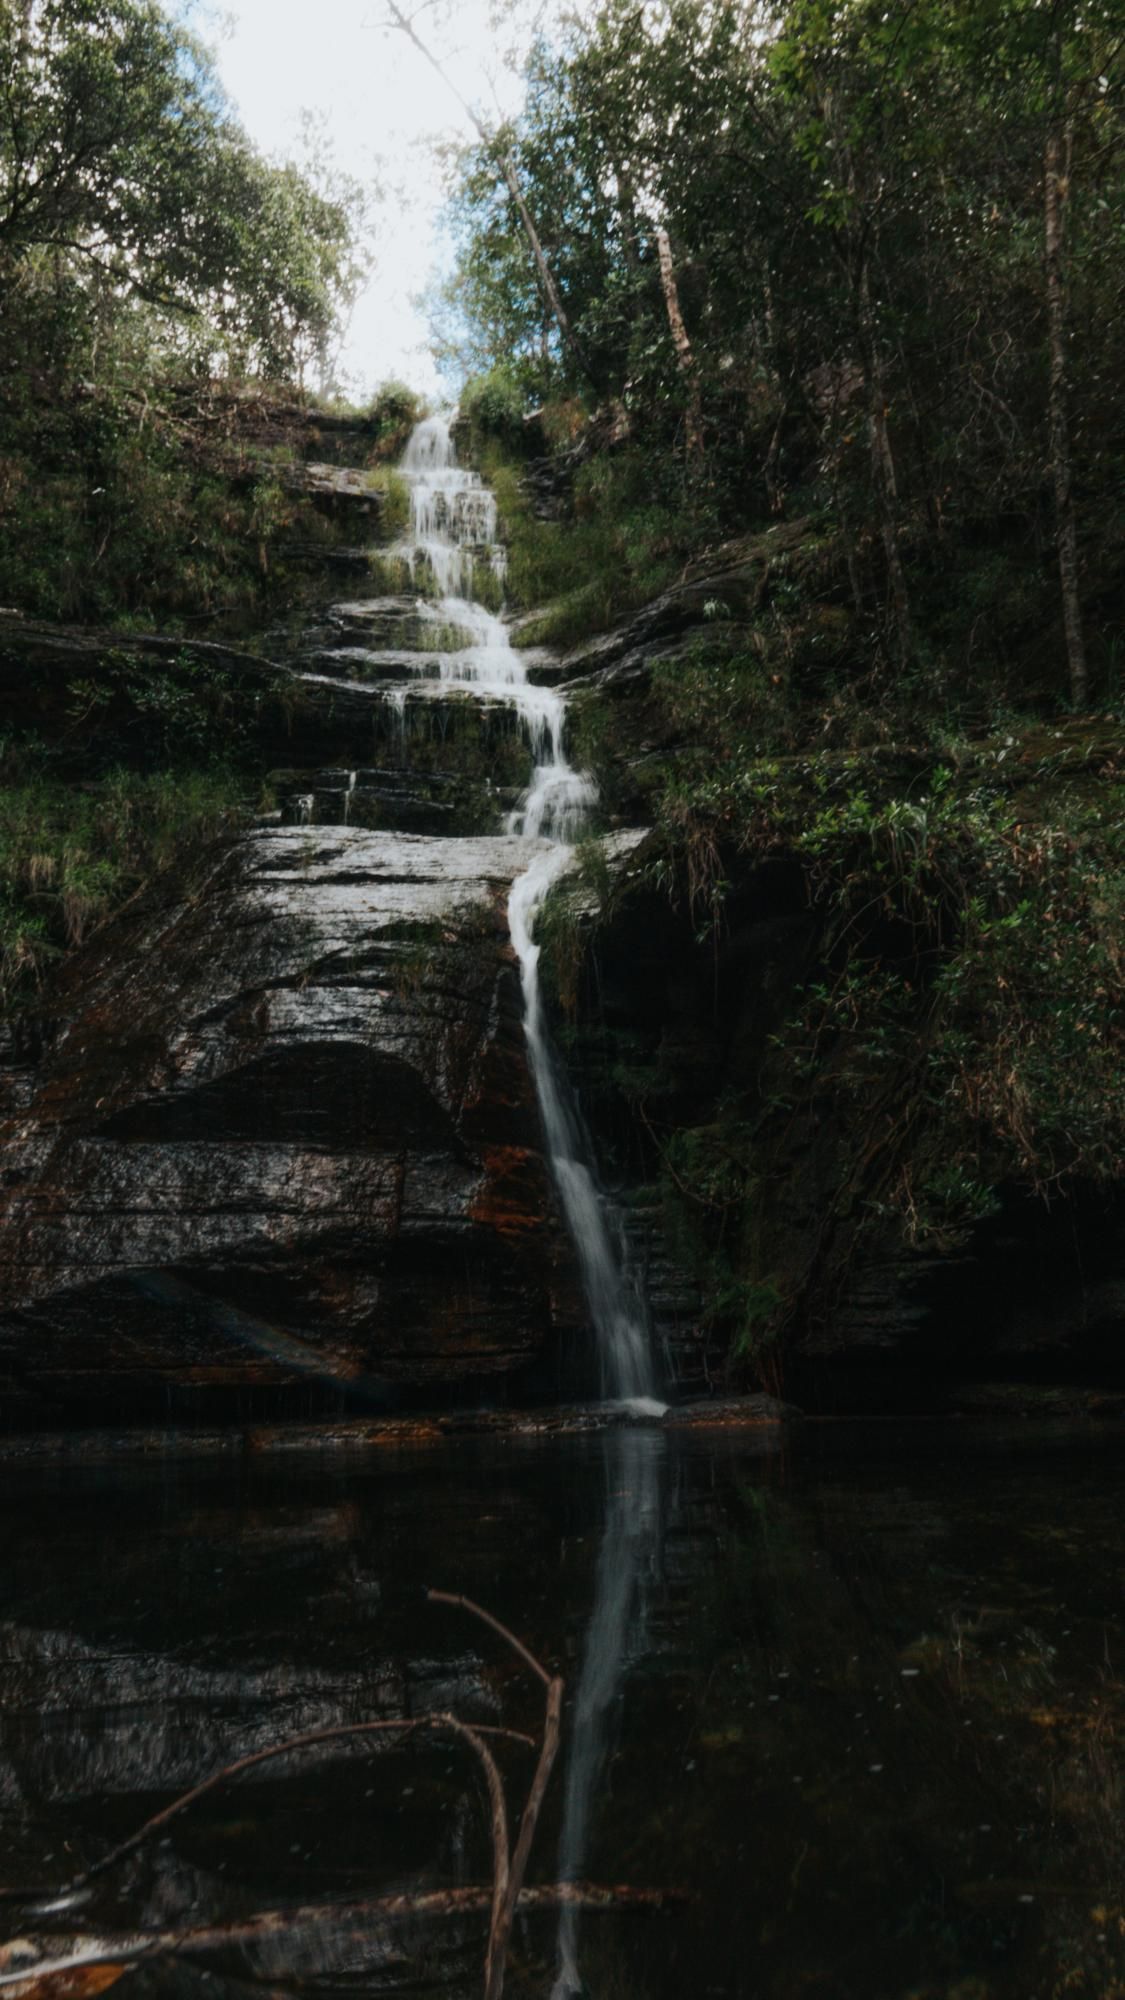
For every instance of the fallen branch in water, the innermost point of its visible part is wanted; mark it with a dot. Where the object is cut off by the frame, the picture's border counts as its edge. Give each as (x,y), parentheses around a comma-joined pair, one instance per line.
(504,1904)
(37,1968)
(336,1733)
(20,1970)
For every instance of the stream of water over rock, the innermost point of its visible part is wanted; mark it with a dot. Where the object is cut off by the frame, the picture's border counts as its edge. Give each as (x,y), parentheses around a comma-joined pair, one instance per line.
(453,529)
(453,523)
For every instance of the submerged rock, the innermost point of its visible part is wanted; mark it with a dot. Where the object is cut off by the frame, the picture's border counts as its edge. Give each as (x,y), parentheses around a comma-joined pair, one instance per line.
(283,1132)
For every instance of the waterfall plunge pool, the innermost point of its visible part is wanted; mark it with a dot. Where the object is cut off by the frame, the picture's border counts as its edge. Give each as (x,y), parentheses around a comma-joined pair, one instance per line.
(856,1697)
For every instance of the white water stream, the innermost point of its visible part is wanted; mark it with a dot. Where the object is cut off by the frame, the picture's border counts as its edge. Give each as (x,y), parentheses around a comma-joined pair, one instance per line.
(453,531)
(453,522)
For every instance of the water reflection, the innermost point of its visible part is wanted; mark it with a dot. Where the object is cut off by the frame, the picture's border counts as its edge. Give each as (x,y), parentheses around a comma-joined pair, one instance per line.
(634,1465)
(860,1702)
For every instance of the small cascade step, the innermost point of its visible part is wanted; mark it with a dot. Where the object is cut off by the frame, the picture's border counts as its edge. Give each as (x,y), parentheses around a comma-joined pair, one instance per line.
(454,706)
(401,624)
(396,798)
(361,663)
(396,624)
(453,516)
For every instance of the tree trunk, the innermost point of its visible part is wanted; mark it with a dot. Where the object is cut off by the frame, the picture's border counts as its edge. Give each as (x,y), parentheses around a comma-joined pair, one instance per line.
(860,246)
(683,347)
(550,289)
(1056,193)
(511,180)
(627,215)
(884,471)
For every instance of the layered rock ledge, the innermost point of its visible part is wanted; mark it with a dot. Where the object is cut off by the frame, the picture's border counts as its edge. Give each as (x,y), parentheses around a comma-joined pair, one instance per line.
(280,1130)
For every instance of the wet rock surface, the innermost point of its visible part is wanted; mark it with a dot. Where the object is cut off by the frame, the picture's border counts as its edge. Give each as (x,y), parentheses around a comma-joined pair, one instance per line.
(283,1133)
(272,1132)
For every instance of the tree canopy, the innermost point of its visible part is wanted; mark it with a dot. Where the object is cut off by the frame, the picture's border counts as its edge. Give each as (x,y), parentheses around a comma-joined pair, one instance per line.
(123,167)
(889,299)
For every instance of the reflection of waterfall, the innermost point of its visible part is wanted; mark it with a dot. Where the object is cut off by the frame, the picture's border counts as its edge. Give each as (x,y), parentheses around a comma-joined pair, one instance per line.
(616,1635)
(453,525)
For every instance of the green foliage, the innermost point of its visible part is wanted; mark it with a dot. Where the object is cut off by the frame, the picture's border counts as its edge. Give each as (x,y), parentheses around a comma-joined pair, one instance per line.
(123,170)
(629,536)
(727,688)
(395,517)
(970,984)
(394,410)
(144,245)
(110,511)
(392,575)
(853,197)
(936,1022)
(493,406)
(580,901)
(70,854)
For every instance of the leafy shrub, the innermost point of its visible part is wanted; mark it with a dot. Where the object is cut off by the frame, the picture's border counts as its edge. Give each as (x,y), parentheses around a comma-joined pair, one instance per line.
(394,410)
(629,536)
(493,406)
(70,854)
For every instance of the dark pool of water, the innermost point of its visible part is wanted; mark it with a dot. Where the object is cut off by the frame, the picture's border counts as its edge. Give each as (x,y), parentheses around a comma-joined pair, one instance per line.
(857,1697)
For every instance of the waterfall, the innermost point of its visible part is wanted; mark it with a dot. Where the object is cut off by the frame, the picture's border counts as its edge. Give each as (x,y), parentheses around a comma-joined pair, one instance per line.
(628,1557)
(453,528)
(452,512)
(616,1310)
(453,522)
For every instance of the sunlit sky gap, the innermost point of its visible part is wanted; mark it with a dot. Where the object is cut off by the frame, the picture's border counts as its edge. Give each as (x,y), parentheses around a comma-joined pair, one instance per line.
(383,106)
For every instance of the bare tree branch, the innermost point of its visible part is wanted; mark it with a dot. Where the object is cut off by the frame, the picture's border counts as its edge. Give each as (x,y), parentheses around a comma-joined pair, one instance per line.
(357,1919)
(402,1725)
(509,1867)
(504,1907)
(502,155)
(478,1611)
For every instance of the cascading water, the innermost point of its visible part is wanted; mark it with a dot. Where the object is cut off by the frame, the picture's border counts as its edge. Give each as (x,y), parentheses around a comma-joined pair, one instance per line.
(616,1311)
(452,513)
(453,520)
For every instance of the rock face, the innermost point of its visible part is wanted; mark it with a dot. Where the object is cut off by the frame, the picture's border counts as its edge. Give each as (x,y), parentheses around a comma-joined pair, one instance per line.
(273,1134)
(283,1133)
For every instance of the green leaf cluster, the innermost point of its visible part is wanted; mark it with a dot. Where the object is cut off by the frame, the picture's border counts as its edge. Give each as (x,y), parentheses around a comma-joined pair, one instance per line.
(853,193)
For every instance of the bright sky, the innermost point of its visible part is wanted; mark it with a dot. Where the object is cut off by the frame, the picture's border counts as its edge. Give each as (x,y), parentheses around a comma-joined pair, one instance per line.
(383,105)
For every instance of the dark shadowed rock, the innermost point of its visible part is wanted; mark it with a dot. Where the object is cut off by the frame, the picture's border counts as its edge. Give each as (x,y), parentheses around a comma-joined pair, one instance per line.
(729,584)
(283,1132)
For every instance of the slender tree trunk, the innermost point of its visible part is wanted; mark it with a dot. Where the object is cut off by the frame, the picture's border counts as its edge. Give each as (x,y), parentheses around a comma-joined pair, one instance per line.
(884,471)
(860,247)
(507,168)
(1056,193)
(627,213)
(550,289)
(684,354)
